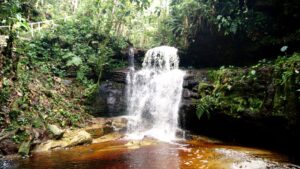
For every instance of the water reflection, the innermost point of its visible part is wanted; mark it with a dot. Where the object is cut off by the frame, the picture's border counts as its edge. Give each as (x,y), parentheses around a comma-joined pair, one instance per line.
(151,154)
(164,156)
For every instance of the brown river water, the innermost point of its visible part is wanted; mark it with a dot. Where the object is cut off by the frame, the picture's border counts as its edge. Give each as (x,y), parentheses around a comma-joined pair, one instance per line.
(198,153)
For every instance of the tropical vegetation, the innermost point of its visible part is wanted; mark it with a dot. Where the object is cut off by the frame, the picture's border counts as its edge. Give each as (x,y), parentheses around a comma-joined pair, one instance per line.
(55,53)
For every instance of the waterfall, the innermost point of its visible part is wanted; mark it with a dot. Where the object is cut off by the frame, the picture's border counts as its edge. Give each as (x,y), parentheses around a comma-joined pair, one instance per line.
(154,95)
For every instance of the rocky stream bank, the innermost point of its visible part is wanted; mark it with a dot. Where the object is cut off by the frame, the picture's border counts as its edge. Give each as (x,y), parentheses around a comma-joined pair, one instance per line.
(98,130)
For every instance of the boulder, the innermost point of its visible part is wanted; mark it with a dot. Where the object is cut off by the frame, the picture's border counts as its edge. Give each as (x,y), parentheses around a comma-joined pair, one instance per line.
(8,147)
(108,137)
(108,129)
(120,124)
(70,139)
(55,130)
(103,126)
(95,131)
(77,138)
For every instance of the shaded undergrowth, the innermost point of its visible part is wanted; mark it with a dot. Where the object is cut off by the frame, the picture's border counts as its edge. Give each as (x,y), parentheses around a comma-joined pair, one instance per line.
(268,89)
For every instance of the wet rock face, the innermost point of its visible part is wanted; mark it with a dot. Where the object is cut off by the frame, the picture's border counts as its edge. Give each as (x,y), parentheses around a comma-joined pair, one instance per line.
(111,99)
(187,115)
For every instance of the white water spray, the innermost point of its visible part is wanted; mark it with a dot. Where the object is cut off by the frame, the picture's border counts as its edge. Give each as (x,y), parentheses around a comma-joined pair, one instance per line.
(154,95)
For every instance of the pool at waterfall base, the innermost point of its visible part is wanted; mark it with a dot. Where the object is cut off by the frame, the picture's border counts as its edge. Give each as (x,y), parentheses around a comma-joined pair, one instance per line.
(196,153)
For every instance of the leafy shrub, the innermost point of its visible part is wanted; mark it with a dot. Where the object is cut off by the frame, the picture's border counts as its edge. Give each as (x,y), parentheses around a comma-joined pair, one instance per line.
(76,47)
(271,88)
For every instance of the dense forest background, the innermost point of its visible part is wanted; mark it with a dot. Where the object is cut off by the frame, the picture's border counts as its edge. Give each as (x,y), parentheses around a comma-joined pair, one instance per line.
(209,33)
(54,54)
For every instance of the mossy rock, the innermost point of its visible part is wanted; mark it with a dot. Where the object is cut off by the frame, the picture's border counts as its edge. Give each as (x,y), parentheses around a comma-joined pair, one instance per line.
(24,148)
(56,131)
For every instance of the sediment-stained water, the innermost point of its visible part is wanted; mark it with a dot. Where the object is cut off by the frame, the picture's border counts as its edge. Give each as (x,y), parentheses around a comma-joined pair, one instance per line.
(152,154)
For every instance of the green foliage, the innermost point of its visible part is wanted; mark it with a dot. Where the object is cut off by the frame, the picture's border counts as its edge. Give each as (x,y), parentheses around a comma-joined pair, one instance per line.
(111,18)
(39,97)
(250,20)
(89,42)
(233,92)
(5,91)
(74,61)
(11,16)
(263,88)
(205,106)
(69,118)
(287,84)
(75,46)
(20,136)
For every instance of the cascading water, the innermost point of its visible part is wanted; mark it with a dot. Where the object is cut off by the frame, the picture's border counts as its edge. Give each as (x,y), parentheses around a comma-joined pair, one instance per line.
(131,58)
(154,95)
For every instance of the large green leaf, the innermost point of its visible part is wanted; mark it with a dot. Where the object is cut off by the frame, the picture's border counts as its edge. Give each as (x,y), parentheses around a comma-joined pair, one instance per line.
(75,61)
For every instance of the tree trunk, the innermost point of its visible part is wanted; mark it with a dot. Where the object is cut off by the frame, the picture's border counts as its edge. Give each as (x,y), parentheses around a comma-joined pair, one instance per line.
(9,61)
(186,30)
(74,5)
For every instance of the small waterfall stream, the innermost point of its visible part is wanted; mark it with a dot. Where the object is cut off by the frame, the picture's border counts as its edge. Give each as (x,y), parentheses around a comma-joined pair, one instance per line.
(154,95)
(131,58)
